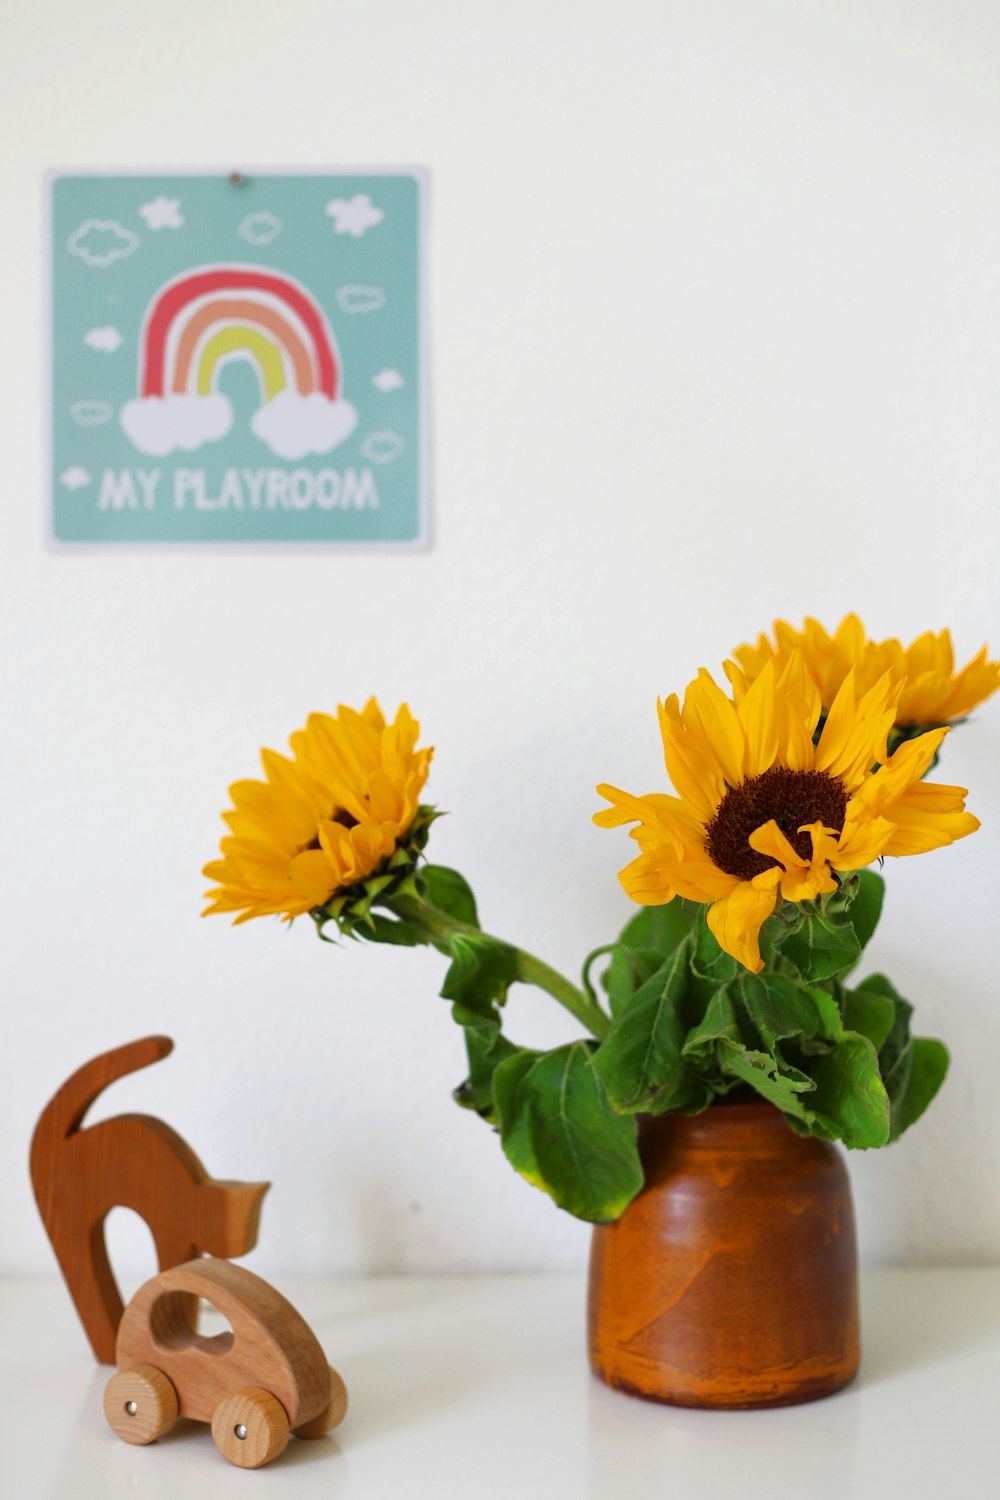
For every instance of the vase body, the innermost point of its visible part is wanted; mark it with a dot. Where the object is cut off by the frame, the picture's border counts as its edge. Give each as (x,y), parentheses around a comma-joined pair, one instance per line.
(731,1280)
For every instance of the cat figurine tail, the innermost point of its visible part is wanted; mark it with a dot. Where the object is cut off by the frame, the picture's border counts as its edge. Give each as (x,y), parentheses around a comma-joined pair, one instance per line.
(131,1161)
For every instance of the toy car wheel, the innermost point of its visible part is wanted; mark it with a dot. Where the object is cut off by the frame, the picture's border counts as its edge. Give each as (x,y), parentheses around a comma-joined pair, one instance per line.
(333,1413)
(250,1428)
(140,1404)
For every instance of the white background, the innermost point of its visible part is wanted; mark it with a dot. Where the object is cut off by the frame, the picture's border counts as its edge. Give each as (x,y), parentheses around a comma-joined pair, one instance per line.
(713,296)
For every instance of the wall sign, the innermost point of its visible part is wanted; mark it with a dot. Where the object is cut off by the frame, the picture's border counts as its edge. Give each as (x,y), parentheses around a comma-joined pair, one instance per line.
(238,358)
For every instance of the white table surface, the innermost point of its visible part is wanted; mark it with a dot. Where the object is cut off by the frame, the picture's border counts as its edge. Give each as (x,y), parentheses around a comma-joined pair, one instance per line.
(477,1388)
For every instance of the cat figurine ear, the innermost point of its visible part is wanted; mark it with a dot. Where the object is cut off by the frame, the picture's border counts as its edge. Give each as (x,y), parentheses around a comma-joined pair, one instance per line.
(131,1161)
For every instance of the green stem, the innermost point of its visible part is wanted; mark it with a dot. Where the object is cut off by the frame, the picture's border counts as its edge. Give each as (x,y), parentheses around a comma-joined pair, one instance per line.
(530,970)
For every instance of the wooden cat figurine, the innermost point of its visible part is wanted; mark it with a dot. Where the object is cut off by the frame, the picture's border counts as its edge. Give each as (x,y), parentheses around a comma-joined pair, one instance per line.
(131,1161)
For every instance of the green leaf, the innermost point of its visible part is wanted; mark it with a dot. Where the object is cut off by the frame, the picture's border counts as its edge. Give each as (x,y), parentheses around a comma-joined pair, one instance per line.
(709,961)
(450,892)
(661,928)
(559,1131)
(481,971)
(779,1008)
(640,1061)
(828,1012)
(866,908)
(897,1078)
(850,1092)
(628,969)
(719,1024)
(822,944)
(870,1013)
(928,1064)
(893,1050)
(913,1068)
(381,929)
(760,1071)
(825,1080)
(487,1048)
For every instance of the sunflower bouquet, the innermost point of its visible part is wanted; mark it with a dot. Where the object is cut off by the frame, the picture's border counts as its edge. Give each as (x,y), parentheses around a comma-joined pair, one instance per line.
(755,884)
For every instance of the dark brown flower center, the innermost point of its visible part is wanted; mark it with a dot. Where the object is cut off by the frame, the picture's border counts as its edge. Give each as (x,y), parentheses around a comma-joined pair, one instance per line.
(342,816)
(791,798)
(339,815)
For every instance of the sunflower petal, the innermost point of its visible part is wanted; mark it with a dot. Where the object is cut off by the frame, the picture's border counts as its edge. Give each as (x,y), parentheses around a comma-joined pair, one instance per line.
(757,717)
(769,840)
(736,920)
(713,719)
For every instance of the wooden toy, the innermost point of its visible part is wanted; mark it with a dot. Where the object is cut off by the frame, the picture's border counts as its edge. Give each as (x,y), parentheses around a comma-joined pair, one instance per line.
(255,1385)
(132,1161)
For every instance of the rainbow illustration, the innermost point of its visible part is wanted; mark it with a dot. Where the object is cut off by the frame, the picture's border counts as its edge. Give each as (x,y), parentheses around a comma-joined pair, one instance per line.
(199,323)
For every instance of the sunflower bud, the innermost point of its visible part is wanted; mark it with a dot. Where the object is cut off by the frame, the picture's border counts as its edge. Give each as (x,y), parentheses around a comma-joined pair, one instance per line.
(329,823)
(350,907)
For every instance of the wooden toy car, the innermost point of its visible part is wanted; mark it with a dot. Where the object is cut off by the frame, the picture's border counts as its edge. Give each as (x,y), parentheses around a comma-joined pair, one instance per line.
(255,1385)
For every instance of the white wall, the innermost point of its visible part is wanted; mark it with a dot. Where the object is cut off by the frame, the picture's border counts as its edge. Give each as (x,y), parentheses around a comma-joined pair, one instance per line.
(714,301)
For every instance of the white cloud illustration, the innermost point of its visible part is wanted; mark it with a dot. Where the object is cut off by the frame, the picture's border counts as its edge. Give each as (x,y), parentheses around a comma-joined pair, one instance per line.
(107,339)
(91,413)
(354,215)
(360,299)
(382,447)
(162,213)
(260,228)
(100,242)
(74,478)
(388,380)
(161,424)
(294,426)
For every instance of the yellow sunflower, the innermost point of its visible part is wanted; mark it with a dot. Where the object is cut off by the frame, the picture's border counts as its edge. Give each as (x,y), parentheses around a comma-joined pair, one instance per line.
(761,811)
(933,693)
(323,820)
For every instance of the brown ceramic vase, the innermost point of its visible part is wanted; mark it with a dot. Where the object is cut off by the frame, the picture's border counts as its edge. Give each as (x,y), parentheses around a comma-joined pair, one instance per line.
(731,1280)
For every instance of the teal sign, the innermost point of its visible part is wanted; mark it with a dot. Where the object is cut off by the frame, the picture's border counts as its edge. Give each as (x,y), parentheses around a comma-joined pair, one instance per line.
(238,359)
